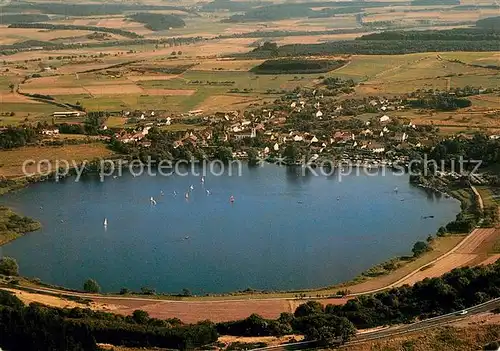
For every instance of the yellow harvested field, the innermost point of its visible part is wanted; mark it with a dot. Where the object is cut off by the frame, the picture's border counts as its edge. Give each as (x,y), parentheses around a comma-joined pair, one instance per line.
(152,77)
(54,91)
(12,35)
(269,340)
(170,92)
(116,89)
(468,251)
(314,39)
(490,260)
(47,300)
(11,164)
(445,265)
(444,16)
(4,98)
(227,65)
(54,301)
(111,22)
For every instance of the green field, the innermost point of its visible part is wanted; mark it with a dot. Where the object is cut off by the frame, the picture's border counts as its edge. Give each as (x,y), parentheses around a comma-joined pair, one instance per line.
(235,80)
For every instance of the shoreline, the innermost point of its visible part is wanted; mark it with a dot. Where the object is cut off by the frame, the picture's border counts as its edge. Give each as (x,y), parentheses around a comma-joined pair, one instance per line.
(334,291)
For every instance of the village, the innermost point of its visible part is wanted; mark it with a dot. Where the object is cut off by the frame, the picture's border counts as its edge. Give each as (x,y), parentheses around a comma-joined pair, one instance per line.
(303,126)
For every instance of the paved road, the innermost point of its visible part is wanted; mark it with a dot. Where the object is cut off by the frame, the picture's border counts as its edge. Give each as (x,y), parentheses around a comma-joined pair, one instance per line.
(399,330)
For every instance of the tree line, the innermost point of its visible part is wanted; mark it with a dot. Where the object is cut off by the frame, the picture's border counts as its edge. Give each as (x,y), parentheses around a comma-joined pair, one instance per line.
(89,9)
(157,21)
(454,291)
(468,34)
(45,45)
(440,102)
(375,47)
(297,66)
(13,137)
(124,33)
(37,327)
(23,18)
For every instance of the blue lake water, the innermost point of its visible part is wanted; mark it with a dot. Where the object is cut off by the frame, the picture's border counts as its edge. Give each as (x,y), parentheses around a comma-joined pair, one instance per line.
(284,230)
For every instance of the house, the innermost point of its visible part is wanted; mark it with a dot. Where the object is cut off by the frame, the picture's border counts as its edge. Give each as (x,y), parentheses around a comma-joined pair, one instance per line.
(67,114)
(384,119)
(342,136)
(276,147)
(54,131)
(195,112)
(401,137)
(298,138)
(366,132)
(311,139)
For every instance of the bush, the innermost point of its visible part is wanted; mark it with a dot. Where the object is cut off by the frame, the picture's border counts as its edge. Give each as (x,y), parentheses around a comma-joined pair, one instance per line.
(494,346)
(91,286)
(420,248)
(9,266)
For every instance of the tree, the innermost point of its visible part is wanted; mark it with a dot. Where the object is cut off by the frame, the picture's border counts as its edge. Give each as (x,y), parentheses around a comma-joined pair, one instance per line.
(224,154)
(140,316)
(309,308)
(91,286)
(291,153)
(419,248)
(9,266)
(492,346)
(186,292)
(253,157)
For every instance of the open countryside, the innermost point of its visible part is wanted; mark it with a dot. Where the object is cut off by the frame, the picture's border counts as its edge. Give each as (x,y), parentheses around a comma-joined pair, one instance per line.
(365,214)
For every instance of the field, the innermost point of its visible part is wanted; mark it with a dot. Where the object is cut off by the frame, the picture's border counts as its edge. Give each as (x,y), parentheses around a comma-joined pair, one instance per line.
(11,161)
(217,84)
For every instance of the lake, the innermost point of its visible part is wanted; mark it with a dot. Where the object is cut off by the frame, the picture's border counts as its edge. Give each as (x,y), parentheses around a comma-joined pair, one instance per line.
(283,231)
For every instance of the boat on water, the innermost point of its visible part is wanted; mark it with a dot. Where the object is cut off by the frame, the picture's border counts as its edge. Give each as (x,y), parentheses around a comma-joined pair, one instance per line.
(153,201)
(231,199)
(105,222)
(186,195)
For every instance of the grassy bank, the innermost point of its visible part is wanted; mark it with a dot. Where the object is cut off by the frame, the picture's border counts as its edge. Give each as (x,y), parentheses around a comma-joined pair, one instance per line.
(12,226)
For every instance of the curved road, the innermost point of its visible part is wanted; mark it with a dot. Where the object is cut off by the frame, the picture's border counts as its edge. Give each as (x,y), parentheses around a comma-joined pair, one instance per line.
(400,330)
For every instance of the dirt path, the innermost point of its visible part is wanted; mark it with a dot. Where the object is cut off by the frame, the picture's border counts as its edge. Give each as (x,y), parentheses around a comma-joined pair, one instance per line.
(479,198)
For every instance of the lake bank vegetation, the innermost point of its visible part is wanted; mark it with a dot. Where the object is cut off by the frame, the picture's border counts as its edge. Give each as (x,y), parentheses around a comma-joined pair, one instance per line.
(12,226)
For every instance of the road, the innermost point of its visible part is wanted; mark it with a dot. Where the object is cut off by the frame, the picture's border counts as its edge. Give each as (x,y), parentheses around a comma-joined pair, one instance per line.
(399,330)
